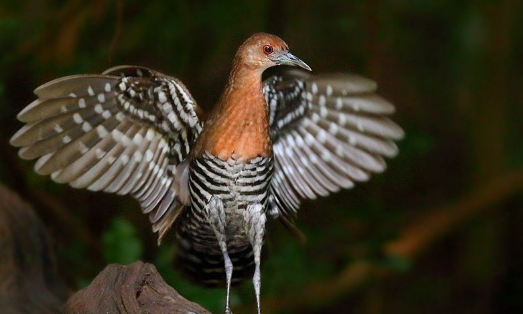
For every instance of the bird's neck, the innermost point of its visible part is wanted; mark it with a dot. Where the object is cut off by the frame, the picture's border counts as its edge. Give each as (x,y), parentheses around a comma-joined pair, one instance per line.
(239,125)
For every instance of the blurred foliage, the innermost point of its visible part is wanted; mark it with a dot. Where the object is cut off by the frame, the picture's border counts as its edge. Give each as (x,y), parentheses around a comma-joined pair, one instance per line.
(121,243)
(454,69)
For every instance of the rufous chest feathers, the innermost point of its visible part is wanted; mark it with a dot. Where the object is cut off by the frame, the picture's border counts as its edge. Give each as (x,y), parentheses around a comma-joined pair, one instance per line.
(239,125)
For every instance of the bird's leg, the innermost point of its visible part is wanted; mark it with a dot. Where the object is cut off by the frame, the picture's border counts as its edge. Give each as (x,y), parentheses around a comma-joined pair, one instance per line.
(255,225)
(216,217)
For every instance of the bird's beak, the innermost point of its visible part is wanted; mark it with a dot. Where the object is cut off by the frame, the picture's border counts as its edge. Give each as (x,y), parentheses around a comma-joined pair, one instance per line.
(287,58)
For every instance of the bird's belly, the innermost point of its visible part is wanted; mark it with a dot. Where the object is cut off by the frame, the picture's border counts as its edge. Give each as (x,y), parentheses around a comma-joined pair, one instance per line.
(237,185)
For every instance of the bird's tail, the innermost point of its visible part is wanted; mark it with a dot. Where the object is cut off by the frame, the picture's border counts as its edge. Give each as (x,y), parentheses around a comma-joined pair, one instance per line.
(203,261)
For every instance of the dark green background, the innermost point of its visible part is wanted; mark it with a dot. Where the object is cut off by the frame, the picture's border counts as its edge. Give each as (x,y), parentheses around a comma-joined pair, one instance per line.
(454,70)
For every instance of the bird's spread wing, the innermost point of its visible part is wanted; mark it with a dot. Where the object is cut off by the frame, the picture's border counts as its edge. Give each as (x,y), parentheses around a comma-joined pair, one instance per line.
(126,131)
(329,131)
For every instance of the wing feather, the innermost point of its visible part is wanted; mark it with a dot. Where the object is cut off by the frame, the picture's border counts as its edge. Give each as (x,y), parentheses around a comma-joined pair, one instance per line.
(123,131)
(328,131)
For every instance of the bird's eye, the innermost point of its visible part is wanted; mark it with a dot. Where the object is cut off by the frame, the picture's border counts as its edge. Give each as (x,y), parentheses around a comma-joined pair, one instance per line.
(267,49)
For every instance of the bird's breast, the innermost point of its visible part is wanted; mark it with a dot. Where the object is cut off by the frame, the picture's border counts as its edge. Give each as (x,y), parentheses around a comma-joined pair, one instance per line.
(242,139)
(238,129)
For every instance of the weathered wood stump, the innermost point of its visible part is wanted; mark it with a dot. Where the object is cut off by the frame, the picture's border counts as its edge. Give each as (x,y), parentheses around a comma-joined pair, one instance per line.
(30,282)
(133,289)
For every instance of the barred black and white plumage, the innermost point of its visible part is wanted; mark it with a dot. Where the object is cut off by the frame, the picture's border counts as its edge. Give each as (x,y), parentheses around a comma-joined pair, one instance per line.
(237,184)
(265,148)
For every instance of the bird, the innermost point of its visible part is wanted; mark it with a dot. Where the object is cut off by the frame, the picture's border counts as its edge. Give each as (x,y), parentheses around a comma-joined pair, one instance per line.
(266,146)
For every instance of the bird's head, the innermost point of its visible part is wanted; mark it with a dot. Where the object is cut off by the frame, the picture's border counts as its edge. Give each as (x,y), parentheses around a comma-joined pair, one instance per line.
(264,50)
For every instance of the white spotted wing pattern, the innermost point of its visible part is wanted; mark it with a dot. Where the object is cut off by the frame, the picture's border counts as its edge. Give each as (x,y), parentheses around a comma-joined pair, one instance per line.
(328,132)
(126,131)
